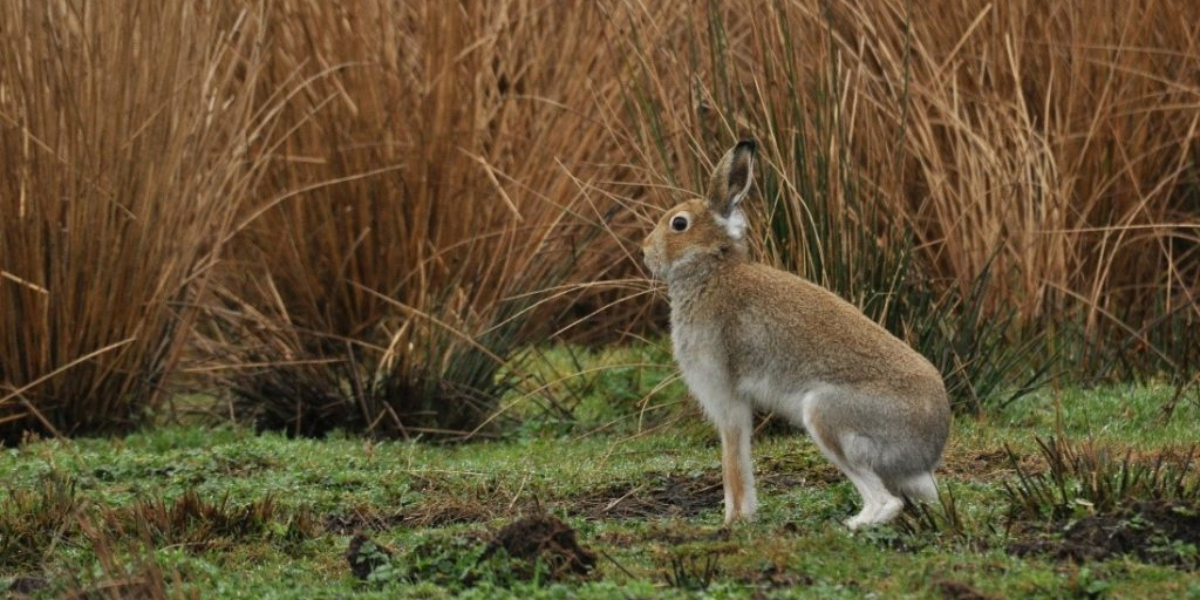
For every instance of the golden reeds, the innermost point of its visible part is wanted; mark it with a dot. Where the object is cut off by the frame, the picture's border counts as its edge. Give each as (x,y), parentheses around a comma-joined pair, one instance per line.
(438,150)
(1053,146)
(124,129)
(444,182)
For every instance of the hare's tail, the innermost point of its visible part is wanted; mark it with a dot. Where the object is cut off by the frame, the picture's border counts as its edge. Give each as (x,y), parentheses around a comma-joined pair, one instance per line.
(922,487)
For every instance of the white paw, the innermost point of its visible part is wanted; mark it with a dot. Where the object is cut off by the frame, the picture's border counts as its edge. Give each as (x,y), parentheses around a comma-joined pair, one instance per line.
(749,507)
(745,514)
(858,521)
(888,511)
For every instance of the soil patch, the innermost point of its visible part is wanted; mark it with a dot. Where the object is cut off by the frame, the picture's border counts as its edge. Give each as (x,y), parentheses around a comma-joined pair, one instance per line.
(677,534)
(449,511)
(27,586)
(957,590)
(543,538)
(362,519)
(790,470)
(1158,532)
(777,577)
(669,495)
(430,513)
(661,495)
(986,465)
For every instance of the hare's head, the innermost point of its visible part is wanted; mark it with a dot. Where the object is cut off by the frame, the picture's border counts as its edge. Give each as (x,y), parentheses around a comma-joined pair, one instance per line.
(701,230)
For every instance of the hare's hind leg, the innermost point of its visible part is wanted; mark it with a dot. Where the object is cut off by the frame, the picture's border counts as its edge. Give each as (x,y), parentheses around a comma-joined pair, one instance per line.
(851,454)
(879,505)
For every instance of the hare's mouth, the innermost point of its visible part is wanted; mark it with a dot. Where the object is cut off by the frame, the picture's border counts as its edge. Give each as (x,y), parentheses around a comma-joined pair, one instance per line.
(652,264)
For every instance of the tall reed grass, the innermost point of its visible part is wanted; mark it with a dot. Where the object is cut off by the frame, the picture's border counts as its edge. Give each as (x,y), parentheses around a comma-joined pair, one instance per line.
(443,183)
(432,185)
(1038,161)
(124,130)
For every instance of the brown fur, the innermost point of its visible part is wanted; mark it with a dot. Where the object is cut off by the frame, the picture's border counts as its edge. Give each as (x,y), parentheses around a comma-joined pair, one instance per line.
(820,430)
(732,476)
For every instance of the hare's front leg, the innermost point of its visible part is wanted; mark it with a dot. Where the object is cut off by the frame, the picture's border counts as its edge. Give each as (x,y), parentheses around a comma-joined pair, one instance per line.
(736,426)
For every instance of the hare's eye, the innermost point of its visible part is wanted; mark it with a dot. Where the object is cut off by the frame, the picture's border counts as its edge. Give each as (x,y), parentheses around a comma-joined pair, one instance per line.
(679,223)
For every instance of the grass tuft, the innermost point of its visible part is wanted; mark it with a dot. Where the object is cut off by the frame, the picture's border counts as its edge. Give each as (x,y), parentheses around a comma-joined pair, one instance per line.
(1087,477)
(197,525)
(33,521)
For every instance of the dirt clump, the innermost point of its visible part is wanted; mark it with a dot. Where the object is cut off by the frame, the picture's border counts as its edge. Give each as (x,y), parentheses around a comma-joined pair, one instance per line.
(544,538)
(365,555)
(1155,532)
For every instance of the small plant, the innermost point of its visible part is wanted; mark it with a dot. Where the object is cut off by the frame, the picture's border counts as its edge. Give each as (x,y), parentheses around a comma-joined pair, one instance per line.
(1089,505)
(940,522)
(1088,583)
(369,561)
(693,572)
(32,520)
(135,575)
(1087,478)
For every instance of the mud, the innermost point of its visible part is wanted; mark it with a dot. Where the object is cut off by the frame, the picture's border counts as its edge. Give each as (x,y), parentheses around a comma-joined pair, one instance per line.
(546,538)
(1154,532)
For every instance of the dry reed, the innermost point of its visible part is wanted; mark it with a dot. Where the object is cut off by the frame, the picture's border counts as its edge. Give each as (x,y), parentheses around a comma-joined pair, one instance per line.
(1052,147)
(444,183)
(430,189)
(124,129)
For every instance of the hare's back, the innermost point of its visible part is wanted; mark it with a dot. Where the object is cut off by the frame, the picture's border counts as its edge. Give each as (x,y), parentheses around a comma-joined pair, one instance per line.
(791,324)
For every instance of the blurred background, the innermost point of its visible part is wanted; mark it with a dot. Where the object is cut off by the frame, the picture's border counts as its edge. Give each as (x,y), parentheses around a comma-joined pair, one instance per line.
(393,217)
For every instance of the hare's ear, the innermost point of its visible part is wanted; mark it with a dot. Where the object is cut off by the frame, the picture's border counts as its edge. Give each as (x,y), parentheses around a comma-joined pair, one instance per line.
(732,178)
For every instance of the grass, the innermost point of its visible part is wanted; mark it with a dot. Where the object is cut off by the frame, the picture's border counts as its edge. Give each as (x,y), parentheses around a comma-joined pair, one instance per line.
(275,515)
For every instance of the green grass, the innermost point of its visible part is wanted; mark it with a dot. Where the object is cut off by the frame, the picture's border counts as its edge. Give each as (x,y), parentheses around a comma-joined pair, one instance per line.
(437,506)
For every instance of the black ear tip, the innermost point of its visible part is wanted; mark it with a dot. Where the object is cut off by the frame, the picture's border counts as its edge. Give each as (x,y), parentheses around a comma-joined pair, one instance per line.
(746,146)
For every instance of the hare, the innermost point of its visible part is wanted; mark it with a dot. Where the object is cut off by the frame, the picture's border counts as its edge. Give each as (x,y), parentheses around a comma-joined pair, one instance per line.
(749,336)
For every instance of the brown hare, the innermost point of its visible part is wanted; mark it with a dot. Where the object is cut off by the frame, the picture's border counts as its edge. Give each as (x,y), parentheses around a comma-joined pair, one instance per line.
(750,336)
